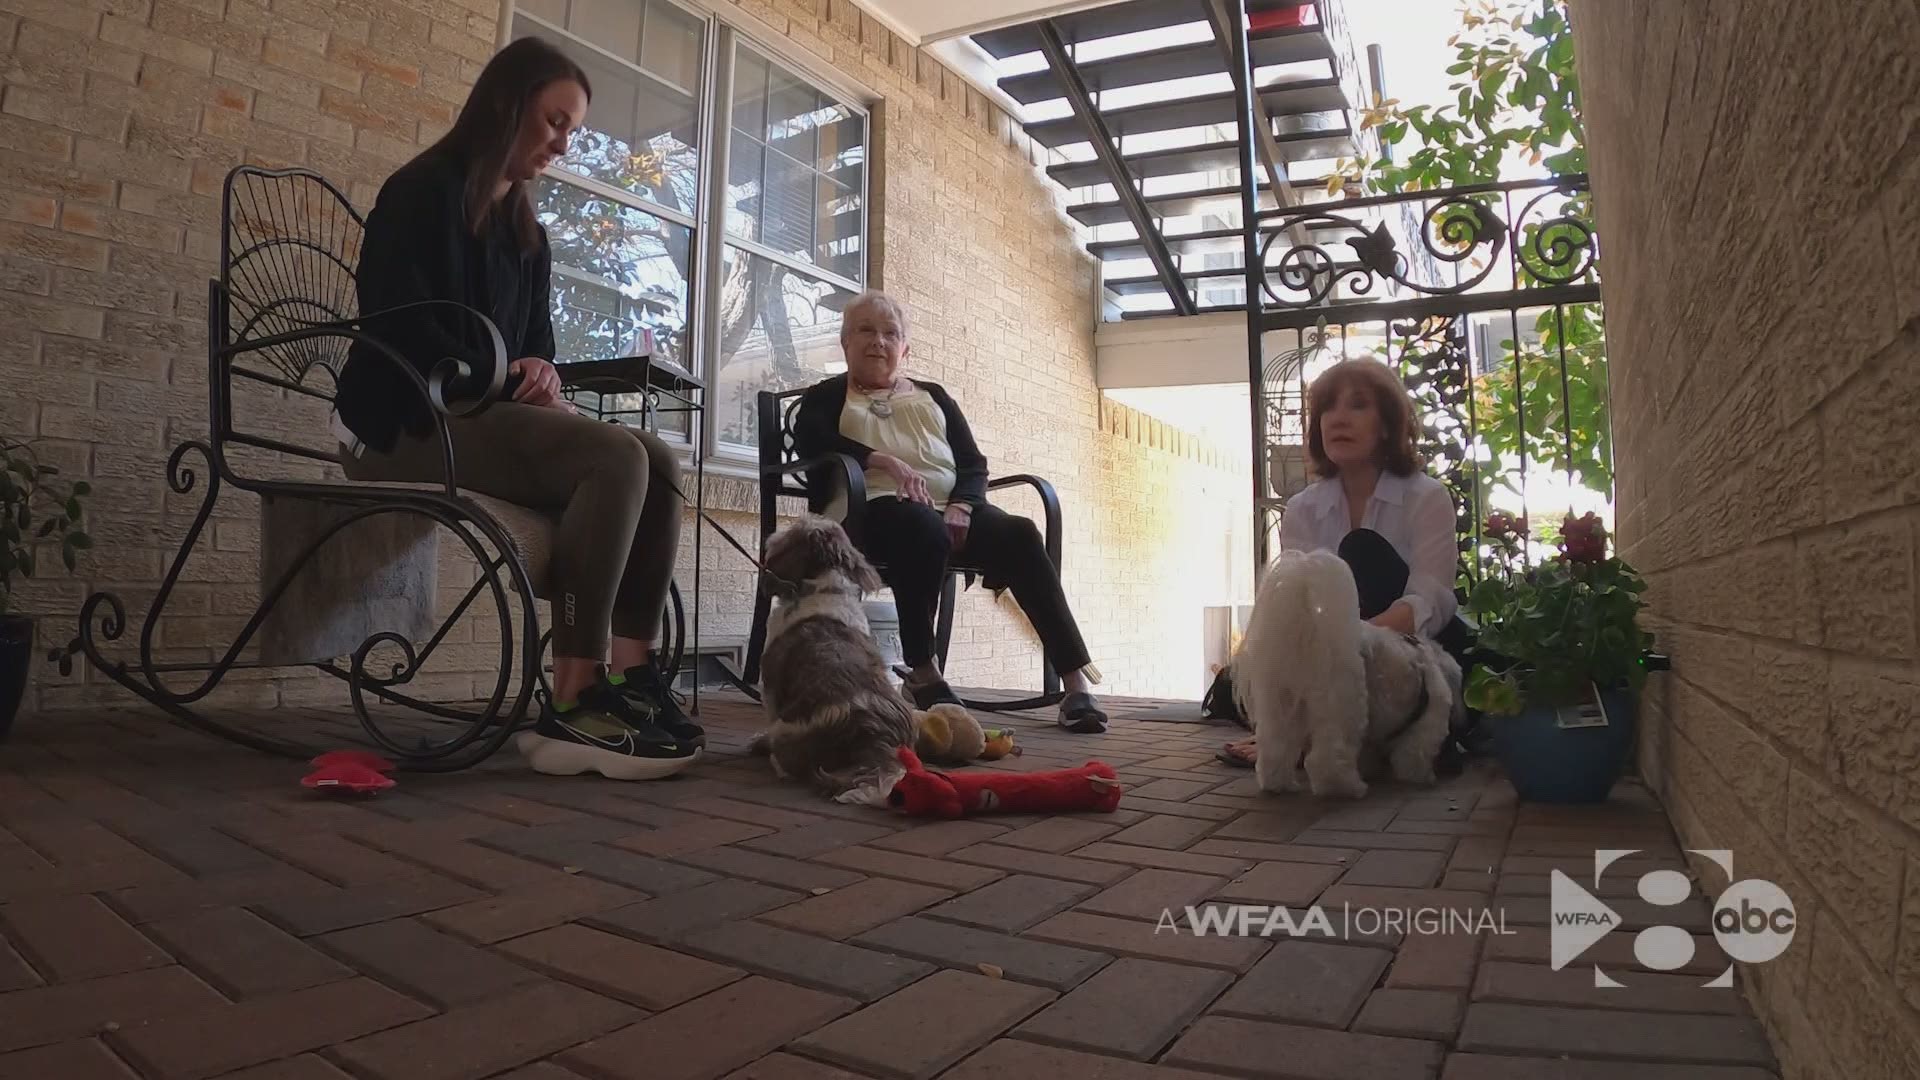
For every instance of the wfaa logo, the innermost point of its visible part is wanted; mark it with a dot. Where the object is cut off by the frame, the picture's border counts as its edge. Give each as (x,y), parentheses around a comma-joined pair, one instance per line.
(1753,920)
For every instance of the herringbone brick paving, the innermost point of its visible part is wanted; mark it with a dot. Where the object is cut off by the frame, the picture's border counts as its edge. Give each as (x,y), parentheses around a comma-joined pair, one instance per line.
(174,907)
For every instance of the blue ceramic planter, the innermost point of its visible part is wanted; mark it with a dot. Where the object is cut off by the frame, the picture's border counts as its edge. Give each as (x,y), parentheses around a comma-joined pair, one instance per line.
(1549,763)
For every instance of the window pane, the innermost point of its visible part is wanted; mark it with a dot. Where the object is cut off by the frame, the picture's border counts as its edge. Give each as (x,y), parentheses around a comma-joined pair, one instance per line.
(786,219)
(791,108)
(780,330)
(795,177)
(554,11)
(613,25)
(750,93)
(670,44)
(842,226)
(843,141)
(616,270)
(641,134)
(746,167)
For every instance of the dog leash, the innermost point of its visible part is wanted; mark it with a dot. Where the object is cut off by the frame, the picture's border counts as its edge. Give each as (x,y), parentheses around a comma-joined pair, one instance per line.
(728,537)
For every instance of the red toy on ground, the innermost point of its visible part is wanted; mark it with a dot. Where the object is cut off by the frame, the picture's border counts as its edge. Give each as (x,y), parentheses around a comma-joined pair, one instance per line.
(356,771)
(923,793)
(365,759)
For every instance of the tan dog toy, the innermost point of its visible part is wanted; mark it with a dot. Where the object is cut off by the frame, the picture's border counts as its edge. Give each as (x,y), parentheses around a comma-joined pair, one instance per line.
(947,734)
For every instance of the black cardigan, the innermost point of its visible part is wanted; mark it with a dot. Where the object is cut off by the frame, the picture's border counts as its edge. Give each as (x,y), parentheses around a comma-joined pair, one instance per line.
(816,430)
(418,247)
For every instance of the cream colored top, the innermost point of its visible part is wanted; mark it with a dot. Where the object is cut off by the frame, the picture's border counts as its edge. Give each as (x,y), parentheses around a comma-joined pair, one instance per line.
(915,432)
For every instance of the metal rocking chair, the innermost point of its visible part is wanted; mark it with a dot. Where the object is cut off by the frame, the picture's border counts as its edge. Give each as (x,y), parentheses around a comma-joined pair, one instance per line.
(283,314)
(783,472)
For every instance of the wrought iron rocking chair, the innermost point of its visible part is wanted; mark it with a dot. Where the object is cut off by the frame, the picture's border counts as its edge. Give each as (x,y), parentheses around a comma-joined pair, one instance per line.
(283,311)
(784,472)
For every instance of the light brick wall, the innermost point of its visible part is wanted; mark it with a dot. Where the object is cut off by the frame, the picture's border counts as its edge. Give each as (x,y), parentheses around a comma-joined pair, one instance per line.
(118,121)
(119,118)
(1758,184)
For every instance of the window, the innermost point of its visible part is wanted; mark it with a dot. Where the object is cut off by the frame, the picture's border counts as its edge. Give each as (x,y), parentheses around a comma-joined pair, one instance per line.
(741,282)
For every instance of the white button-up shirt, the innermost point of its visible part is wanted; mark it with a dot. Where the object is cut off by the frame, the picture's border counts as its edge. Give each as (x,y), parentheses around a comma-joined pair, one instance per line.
(1413,513)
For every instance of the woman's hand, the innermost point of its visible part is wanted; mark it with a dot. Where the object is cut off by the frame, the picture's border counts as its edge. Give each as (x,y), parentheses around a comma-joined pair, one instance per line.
(539,381)
(959,517)
(913,486)
(1398,618)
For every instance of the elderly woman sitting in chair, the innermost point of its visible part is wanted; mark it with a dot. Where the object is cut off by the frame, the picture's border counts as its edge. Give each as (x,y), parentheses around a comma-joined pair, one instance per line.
(927,502)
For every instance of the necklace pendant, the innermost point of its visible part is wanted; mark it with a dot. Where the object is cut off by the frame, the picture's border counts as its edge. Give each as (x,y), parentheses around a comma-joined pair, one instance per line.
(880,409)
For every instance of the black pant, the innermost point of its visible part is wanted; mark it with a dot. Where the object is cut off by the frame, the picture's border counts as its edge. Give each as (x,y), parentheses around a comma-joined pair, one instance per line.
(909,541)
(1381,575)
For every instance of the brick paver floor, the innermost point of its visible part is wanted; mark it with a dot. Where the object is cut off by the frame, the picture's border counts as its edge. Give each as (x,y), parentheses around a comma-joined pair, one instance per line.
(176,907)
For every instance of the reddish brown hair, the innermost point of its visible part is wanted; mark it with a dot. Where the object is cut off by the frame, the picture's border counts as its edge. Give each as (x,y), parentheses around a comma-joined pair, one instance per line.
(1390,400)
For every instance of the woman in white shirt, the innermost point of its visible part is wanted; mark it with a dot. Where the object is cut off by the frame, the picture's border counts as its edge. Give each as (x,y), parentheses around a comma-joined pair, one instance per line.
(1372,504)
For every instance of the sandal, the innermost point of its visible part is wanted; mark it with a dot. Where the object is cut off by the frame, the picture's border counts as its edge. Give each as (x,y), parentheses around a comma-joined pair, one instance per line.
(933,693)
(1226,756)
(1080,715)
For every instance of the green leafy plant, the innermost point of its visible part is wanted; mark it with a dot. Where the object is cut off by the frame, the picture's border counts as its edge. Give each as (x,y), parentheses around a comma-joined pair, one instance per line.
(36,511)
(1563,627)
(1517,100)
(1518,95)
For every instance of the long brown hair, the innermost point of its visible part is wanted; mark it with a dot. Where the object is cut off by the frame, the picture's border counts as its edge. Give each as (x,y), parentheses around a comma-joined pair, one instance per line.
(489,124)
(1390,400)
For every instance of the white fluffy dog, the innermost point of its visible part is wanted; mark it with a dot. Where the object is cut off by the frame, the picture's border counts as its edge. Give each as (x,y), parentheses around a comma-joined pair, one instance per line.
(1312,676)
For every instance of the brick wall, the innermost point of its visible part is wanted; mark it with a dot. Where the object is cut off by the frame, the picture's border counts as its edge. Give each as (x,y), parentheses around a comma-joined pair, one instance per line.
(1758,184)
(118,119)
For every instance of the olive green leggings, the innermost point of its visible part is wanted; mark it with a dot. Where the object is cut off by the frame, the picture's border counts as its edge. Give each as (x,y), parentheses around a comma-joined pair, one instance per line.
(619,531)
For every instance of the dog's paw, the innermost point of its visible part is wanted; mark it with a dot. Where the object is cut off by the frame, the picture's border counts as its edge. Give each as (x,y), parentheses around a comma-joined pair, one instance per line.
(1276,780)
(1340,786)
(1422,775)
(1413,765)
(760,745)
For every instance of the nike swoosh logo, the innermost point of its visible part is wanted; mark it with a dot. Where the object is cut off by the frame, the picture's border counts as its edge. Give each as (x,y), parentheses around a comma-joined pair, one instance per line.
(624,744)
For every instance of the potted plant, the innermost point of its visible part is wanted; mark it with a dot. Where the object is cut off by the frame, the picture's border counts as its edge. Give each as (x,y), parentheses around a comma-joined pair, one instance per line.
(1561,693)
(35,511)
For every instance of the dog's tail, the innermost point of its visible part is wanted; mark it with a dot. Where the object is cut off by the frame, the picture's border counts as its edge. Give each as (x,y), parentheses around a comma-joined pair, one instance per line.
(857,754)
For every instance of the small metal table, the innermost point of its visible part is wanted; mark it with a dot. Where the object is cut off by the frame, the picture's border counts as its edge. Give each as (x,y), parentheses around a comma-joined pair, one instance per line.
(662,387)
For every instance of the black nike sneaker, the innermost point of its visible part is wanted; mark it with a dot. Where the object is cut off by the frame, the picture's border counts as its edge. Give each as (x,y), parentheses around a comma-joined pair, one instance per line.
(601,733)
(648,695)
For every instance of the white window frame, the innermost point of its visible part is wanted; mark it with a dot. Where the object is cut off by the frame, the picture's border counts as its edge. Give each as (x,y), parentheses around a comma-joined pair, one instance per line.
(724,35)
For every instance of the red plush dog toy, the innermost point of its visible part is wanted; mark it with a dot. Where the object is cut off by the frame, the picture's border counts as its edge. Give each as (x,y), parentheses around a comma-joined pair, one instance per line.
(355,771)
(923,793)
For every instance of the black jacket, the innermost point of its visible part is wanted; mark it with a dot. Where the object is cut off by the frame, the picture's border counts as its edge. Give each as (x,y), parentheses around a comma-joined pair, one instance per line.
(418,247)
(816,430)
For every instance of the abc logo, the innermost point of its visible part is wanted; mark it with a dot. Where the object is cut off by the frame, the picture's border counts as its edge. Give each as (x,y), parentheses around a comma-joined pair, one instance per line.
(1754,921)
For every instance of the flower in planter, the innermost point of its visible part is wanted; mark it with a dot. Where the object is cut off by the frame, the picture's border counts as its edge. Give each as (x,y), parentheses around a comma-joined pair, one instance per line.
(1583,539)
(1560,628)
(1504,526)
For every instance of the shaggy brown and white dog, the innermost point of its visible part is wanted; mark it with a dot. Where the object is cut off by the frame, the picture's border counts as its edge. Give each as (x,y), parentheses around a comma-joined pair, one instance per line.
(1312,677)
(833,719)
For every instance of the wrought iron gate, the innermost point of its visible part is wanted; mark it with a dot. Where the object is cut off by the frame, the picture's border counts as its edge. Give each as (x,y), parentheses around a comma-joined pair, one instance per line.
(1485,298)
